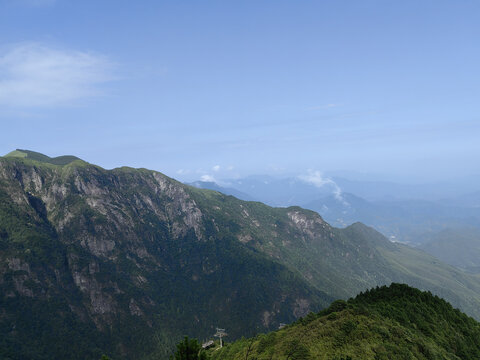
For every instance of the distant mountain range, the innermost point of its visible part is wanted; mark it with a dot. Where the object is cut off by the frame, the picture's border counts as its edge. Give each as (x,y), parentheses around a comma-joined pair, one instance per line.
(127,261)
(409,221)
(210,185)
(401,212)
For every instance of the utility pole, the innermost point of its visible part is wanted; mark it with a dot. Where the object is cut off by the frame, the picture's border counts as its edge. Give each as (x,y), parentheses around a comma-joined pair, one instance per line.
(220,333)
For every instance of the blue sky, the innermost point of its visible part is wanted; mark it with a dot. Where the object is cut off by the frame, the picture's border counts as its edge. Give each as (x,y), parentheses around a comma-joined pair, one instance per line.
(231,88)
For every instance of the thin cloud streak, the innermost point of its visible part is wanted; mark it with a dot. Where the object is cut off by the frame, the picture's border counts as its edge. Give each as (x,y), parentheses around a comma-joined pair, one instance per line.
(35,75)
(317,179)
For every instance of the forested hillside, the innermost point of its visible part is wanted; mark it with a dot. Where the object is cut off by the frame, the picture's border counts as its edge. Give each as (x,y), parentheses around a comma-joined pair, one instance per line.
(395,322)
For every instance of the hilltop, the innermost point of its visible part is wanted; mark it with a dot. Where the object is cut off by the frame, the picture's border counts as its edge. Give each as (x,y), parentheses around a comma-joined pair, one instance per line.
(395,322)
(36,156)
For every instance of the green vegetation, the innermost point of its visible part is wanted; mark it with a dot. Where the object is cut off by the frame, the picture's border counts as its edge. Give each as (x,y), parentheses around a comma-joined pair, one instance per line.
(395,322)
(459,247)
(126,278)
(126,261)
(17,153)
(189,349)
(35,156)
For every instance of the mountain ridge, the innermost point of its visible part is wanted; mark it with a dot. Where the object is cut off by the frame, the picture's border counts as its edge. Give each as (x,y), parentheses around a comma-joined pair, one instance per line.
(131,260)
(39,157)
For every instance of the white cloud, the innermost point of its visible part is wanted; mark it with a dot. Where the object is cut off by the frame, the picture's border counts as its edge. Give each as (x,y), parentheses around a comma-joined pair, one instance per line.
(216,168)
(208,178)
(34,75)
(317,179)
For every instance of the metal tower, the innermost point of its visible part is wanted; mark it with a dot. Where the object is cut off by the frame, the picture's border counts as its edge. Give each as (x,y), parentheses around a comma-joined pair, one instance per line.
(220,333)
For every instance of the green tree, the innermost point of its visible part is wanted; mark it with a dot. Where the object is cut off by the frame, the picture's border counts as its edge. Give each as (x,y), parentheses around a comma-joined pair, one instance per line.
(189,350)
(297,351)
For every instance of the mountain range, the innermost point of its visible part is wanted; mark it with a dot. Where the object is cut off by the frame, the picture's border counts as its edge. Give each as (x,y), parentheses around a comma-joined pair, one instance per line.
(127,261)
(406,213)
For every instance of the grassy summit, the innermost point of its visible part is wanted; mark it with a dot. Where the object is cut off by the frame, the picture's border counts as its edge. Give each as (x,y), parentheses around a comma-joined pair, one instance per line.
(36,156)
(395,322)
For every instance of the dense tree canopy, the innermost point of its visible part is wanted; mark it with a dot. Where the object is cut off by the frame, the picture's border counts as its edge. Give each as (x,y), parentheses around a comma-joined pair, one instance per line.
(189,349)
(394,322)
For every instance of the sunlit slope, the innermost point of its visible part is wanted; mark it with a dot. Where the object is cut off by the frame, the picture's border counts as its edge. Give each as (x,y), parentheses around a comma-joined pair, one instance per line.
(396,322)
(340,262)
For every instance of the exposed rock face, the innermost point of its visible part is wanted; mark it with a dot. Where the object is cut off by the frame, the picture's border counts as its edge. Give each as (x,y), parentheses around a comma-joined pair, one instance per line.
(134,247)
(302,307)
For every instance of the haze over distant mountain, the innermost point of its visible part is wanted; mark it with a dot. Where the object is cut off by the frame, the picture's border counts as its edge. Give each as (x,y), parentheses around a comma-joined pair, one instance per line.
(278,191)
(377,190)
(210,185)
(127,261)
(406,213)
(410,221)
(465,200)
(312,185)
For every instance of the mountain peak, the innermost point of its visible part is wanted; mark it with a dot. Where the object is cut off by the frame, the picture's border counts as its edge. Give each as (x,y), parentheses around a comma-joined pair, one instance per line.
(36,156)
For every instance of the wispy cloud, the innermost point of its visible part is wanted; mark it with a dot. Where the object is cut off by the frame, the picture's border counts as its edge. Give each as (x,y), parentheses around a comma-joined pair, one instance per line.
(317,179)
(183,171)
(35,75)
(208,178)
(216,168)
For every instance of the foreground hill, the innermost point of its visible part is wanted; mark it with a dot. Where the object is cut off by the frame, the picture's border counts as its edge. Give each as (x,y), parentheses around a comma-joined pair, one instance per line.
(126,261)
(396,322)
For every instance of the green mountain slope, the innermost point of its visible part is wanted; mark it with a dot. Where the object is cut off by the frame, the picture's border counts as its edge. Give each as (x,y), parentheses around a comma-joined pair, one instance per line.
(459,247)
(127,261)
(396,322)
(36,156)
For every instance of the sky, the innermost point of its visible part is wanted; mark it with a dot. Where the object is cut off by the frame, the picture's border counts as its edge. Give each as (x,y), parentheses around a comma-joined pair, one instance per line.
(223,89)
